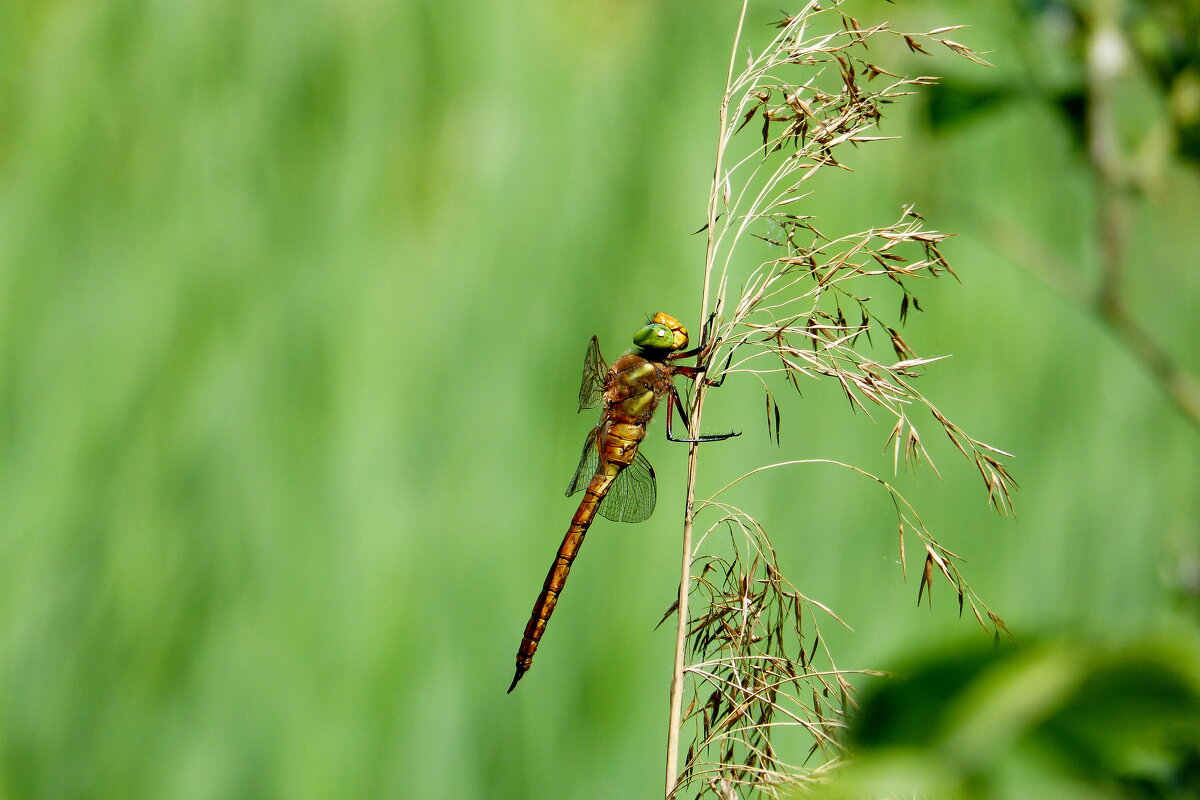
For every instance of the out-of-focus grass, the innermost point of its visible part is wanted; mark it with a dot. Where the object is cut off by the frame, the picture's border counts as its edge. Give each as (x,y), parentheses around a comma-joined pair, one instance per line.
(293,299)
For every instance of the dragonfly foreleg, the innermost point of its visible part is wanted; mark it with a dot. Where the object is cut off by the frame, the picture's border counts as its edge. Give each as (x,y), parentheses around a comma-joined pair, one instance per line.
(695,372)
(724,371)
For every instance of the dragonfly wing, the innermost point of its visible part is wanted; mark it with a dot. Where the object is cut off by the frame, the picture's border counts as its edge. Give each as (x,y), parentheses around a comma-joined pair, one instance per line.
(589,461)
(632,496)
(591,389)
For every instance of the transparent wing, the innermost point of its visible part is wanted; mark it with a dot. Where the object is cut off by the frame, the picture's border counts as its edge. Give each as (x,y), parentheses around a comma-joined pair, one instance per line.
(589,460)
(632,496)
(591,389)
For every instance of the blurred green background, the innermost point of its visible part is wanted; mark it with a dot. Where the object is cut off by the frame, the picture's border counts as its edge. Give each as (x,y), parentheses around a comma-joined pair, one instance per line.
(293,301)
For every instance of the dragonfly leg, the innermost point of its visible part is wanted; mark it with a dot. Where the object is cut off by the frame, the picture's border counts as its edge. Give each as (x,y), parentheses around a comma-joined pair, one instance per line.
(724,371)
(677,404)
(695,372)
(701,352)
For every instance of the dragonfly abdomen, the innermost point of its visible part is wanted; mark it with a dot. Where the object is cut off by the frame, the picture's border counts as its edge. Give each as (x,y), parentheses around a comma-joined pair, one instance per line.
(617,452)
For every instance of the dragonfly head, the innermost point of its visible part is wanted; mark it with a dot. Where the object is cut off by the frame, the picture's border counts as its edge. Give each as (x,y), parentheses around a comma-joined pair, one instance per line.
(663,333)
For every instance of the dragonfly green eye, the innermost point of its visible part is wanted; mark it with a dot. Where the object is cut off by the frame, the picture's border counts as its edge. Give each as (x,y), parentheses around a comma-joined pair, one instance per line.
(655,337)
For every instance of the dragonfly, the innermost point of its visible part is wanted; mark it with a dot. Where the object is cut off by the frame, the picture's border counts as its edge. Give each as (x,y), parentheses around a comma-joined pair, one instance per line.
(616,479)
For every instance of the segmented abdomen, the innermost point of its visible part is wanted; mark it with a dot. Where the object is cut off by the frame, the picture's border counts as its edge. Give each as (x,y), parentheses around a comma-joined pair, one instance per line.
(618,448)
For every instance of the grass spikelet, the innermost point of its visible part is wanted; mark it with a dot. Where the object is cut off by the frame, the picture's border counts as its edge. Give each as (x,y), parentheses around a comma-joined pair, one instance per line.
(750,657)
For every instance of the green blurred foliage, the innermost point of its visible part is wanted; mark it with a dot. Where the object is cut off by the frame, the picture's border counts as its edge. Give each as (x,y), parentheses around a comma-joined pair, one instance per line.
(293,301)
(1063,719)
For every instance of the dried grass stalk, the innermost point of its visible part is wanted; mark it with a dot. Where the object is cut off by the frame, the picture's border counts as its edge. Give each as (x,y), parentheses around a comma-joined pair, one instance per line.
(750,660)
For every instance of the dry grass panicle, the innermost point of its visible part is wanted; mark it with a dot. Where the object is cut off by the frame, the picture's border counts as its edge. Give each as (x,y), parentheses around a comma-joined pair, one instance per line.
(750,658)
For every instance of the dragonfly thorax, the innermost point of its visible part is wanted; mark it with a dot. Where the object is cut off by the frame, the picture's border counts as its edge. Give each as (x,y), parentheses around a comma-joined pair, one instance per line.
(635,387)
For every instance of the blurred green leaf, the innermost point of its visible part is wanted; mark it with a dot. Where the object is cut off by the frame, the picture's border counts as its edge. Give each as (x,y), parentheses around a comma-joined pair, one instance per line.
(1073,719)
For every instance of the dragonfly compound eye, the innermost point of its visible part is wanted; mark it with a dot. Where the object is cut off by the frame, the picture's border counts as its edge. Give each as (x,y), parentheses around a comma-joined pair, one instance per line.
(679,334)
(655,336)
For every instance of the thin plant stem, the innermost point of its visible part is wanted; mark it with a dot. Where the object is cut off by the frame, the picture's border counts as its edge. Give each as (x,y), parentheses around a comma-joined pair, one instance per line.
(1106,50)
(685,572)
(1115,191)
(1030,253)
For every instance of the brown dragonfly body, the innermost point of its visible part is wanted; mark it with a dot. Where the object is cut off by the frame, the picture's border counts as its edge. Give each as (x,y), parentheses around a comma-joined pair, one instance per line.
(617,480)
